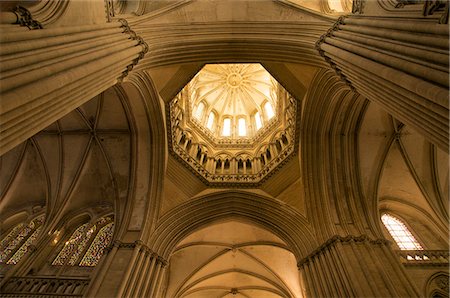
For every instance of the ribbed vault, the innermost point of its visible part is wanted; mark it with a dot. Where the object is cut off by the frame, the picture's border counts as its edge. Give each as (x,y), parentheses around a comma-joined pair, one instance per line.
(251,263)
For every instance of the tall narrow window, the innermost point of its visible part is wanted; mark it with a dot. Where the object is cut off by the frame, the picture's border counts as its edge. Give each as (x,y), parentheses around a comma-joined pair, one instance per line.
(269,110)
(226,129)
(258,122)
(398,230)
(14,246)
(210,123)
(242,127)
(199,111)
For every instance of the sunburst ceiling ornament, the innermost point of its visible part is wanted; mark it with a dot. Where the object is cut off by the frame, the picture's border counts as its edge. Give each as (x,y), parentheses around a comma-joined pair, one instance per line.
(233,90)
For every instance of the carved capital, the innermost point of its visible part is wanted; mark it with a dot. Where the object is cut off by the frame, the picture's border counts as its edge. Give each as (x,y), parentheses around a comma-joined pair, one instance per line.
(340,239)
(24,18)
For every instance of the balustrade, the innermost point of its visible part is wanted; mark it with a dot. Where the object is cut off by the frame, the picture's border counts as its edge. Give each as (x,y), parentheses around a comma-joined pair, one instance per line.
(424,257)
(45,286)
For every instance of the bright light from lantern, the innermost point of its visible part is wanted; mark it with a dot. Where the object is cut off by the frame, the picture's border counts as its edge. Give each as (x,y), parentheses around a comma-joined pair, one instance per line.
(210,122)
(269,110)
(335,5)
(258,121)
(226,129)
(199,111)
(242,128)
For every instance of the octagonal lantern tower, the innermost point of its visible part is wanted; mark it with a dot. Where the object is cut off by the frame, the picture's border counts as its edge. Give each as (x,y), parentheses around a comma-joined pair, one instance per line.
(233,124)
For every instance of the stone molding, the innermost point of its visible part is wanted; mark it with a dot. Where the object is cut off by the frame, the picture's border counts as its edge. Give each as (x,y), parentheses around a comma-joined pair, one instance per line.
(340,239)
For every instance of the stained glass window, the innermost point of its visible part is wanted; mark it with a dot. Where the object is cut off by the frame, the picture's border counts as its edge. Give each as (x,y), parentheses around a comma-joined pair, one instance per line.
(14,246)
(81,246)
(398,230)
(98,246)
(7,245)
(71,246)
(75,248)
(24,248)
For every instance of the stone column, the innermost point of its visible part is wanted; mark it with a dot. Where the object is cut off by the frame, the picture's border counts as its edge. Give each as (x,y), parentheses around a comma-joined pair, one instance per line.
(47,73)
(401,64)
(355,267)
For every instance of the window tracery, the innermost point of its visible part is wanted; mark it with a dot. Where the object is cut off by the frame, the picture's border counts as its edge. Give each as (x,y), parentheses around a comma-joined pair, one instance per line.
(14,245)
(400,233)
(76,250)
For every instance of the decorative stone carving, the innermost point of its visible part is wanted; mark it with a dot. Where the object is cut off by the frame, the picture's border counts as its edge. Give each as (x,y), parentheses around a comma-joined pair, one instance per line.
(432,6)
(24,18)
(333,65)
(442,283)
(109,7)
(358,6)
(402,3)
(141,42)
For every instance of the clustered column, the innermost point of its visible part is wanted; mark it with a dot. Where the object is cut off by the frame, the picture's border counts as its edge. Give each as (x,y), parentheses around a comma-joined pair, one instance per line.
(399,63)
(354,267)
(47,73)
(144,274)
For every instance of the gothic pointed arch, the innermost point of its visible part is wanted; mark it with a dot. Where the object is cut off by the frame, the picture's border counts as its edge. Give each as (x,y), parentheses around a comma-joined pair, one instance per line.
(278,218)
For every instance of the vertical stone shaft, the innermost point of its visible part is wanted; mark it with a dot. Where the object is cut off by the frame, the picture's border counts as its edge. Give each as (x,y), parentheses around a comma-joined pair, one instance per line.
(400,64)
(49,72)
(351,267)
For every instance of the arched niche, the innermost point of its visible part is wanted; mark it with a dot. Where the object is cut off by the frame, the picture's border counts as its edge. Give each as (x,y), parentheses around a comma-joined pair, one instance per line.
(437,285)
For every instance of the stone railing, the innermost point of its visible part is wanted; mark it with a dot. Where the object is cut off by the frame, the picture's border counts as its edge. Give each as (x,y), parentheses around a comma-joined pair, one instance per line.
(45,287)
(424,257)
